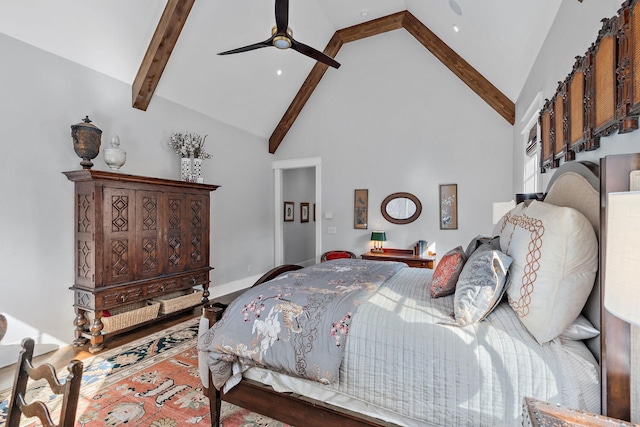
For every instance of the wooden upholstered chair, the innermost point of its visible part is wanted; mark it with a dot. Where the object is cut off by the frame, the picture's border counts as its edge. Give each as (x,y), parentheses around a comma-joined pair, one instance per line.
(328,256)
(70,390)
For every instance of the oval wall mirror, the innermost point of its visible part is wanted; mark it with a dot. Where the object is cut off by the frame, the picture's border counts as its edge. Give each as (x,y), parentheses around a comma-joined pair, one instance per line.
(401,208)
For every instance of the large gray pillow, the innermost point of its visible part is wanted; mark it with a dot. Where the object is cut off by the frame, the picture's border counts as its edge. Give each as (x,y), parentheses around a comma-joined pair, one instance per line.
(481,284)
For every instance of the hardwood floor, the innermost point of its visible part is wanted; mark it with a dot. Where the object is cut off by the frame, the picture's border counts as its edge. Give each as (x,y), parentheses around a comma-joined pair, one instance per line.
(61,357)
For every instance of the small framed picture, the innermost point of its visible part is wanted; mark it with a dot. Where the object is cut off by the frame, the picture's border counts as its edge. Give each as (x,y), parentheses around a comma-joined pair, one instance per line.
(361,209)
(448,206)
(304,212)
(288,211)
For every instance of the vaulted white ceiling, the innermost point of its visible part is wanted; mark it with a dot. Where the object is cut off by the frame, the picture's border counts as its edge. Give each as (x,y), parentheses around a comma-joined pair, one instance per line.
(499,38)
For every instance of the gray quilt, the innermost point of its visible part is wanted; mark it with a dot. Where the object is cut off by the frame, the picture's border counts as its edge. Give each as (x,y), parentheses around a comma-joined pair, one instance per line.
(295,324)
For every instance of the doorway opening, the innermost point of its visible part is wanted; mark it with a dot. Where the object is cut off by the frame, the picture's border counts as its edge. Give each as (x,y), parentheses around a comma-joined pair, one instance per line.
(279,168)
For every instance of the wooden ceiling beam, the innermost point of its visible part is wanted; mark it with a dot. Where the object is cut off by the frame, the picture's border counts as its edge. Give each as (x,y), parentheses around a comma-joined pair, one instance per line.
(301,98)
(159,51)
(345,35)
(461,68)
(371,28)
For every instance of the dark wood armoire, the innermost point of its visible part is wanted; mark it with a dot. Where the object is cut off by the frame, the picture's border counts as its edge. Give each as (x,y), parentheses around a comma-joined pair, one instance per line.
(136,239)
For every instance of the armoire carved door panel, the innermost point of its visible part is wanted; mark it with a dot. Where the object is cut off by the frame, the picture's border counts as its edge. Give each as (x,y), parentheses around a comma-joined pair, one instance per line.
(148,262)
(119,235)
(85,230)
(197,214)
(173,246)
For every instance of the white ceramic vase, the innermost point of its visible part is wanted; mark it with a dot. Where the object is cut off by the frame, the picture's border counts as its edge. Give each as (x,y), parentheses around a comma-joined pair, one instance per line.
(185,169)
(197,170)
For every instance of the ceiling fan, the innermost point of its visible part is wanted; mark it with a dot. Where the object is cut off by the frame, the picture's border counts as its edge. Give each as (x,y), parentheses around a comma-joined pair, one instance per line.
(282,38)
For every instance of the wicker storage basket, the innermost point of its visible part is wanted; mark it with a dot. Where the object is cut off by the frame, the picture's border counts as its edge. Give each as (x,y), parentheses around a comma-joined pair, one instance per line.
(178,300)
(128,315)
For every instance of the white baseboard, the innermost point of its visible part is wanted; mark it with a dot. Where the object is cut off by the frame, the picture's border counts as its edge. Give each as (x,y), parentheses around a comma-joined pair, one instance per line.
(307,263)
(9,353)
(231,287)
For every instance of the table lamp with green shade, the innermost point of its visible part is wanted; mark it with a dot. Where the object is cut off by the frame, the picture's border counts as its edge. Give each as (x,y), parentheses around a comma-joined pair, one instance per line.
(378,237)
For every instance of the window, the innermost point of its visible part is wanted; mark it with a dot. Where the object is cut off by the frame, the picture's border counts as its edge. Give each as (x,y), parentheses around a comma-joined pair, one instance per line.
(531,145)
(531,167)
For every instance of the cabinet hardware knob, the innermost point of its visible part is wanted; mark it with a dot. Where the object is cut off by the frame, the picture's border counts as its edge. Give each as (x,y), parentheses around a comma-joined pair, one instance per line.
(121,297)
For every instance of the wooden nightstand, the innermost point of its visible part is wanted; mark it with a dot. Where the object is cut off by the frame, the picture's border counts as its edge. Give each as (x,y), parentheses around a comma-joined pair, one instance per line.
(543,414)
(401,255)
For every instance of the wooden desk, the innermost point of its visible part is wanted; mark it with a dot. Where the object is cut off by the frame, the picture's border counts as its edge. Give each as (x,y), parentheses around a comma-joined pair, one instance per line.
(401,255)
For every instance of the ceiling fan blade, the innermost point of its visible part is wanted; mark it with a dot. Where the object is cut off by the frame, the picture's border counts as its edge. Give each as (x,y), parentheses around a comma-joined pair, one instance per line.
(282,16)
(254,46)
(313,53)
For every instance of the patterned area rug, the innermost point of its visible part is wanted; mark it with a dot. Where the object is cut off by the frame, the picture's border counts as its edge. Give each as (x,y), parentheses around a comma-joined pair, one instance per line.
(150,382)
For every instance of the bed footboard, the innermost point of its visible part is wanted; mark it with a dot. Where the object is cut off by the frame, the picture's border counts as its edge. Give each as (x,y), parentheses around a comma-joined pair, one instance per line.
(213,312)
(275,272)
(286,407)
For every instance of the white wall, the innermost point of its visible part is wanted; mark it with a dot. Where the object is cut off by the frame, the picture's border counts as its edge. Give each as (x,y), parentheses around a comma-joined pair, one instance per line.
(299,237)
(41,96)
(393,118)
(575,28)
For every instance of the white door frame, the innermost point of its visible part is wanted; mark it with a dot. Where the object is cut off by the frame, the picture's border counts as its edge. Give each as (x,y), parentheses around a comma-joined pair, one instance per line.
(278,167)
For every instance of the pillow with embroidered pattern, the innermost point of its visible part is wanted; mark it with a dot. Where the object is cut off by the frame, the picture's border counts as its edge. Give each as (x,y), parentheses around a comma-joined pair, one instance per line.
(481,285)
(555,258)
(446,274)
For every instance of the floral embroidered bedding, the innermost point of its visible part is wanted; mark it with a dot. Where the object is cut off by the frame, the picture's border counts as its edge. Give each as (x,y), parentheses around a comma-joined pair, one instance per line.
(295,324)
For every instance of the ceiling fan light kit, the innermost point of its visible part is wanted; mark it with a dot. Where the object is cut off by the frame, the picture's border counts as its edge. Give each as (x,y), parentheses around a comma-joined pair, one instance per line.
(282,42)
(282,38)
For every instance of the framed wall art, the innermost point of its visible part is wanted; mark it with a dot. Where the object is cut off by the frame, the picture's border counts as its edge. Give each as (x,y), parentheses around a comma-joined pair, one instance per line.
(361,209)
(448,206)
(304,212)
(288,211)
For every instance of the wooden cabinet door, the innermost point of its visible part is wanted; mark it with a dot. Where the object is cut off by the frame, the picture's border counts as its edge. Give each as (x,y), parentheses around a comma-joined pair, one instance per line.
(174,244)
(119,239)
(198,231)
(148,238)
(88,263)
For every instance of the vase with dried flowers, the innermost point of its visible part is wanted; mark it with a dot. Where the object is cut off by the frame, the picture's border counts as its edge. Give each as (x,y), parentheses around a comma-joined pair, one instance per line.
(190,148)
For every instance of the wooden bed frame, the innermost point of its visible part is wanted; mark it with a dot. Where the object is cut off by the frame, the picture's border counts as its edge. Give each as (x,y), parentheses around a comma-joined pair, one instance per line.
(614,344)
(290,408)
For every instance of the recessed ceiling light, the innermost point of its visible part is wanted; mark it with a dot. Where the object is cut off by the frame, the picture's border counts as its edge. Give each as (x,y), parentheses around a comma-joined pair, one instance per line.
(279,72)
(456,29)
(364,13)
(455,7)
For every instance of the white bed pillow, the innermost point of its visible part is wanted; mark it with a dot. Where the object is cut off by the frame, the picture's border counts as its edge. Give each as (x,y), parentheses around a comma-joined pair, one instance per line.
(580,329)
(555,258)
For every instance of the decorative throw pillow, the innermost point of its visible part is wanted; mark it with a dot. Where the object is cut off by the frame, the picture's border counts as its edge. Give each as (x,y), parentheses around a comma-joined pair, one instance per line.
(475,244)
(580,329)
(555,258)
(481,284)
(447,272)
